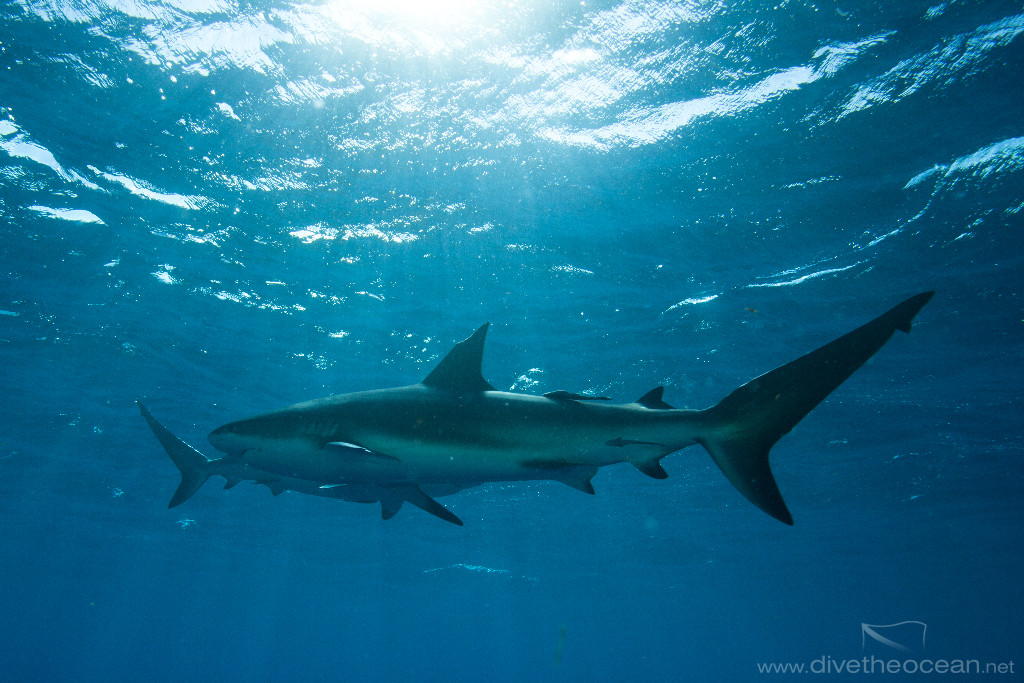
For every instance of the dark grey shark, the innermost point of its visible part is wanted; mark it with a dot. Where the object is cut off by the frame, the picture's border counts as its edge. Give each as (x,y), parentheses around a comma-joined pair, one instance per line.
(453,430)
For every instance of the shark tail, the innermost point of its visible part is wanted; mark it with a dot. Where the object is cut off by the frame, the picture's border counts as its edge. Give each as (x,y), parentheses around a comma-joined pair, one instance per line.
(194,466)
(746,424)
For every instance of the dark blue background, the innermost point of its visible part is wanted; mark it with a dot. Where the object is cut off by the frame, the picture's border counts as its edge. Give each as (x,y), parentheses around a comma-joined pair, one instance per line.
(222,208)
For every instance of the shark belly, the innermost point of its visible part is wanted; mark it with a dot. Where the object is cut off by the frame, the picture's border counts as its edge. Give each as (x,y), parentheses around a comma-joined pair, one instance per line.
(499,436)
(419,435)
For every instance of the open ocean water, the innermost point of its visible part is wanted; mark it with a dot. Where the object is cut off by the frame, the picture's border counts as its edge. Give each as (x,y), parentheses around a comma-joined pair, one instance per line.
(221,208)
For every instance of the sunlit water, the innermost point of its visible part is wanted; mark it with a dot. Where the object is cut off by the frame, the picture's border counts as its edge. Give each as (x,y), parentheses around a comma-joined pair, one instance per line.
(222,208)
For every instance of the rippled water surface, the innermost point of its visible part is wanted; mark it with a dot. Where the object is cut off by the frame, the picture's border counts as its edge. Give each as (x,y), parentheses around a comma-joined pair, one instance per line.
(221,208)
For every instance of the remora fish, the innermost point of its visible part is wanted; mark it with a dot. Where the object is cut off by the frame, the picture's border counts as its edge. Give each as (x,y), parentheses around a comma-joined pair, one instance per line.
(453,430)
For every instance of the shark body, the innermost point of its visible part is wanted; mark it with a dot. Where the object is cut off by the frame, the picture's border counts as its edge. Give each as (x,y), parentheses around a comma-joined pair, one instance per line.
(453,431)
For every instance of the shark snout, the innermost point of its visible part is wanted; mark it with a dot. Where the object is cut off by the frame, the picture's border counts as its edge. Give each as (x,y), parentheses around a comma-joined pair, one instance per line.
(230,439)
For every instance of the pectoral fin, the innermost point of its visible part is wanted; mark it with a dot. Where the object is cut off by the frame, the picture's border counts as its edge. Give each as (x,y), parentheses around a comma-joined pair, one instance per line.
(412,493)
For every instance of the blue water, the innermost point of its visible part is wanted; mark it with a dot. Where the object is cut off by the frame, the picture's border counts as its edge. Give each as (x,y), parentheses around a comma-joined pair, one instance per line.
(222,208)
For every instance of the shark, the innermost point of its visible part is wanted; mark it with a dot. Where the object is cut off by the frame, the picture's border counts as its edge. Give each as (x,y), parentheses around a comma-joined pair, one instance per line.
(453,430)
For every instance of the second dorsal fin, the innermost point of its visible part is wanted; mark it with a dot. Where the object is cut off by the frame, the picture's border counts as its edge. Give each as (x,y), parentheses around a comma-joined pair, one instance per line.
(652,399)
(459,371)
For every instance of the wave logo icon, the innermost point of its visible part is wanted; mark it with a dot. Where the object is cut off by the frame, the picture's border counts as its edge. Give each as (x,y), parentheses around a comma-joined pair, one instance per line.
(904,636)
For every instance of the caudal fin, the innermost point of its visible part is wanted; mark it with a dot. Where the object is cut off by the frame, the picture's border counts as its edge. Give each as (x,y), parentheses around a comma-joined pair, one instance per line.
(746,424)
(192,464)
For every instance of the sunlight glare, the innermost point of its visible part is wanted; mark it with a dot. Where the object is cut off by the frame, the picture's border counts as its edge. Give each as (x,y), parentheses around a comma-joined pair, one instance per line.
(433,14)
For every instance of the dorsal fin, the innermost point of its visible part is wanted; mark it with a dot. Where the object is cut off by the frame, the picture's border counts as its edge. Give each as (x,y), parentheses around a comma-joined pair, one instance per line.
(652,400)
(459,371)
